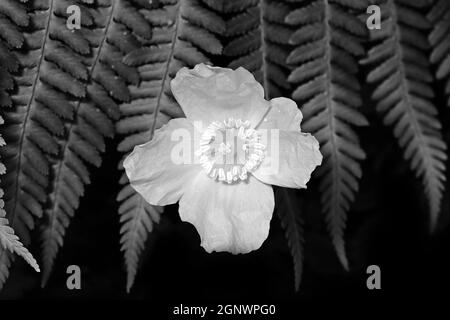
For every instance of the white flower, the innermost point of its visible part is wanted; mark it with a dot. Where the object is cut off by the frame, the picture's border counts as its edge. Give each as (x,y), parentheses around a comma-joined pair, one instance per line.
(236,145)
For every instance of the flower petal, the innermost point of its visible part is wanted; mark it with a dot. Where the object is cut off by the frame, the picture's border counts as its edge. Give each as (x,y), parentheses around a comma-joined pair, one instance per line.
(284,115)
(156,171)
(290,160)
(215,94)
(228,217)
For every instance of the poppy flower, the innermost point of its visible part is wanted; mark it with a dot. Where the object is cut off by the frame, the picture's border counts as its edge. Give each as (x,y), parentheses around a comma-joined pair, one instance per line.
(221,161)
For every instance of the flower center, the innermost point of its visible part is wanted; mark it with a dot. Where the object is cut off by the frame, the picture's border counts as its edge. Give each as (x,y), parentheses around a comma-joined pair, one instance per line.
(229,150)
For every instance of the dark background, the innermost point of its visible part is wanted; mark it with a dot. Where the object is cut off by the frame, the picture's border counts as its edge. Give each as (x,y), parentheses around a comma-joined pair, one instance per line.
(387,226)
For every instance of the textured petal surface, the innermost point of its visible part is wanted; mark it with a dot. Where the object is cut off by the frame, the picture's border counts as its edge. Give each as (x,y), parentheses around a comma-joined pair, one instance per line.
(290,160)
(210,94)
(234,218)
(159,169)
(284,115)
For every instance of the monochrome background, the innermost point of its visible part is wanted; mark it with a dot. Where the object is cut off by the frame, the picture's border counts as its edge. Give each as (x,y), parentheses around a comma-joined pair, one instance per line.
(386,228)
(387,224)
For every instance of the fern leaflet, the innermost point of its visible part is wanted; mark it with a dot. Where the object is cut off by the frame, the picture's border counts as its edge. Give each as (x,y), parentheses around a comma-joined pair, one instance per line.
(439,39)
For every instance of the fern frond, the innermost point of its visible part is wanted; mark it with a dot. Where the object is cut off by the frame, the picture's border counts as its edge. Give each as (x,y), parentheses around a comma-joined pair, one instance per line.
(184,34)
(8,64)
(6,84)
(13,20)
(404,93)
(8,240)
(137,218)
(439,38)
(67,86)
(115,27)
(289,213)
(327,43)
(257,39)
(13,16)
